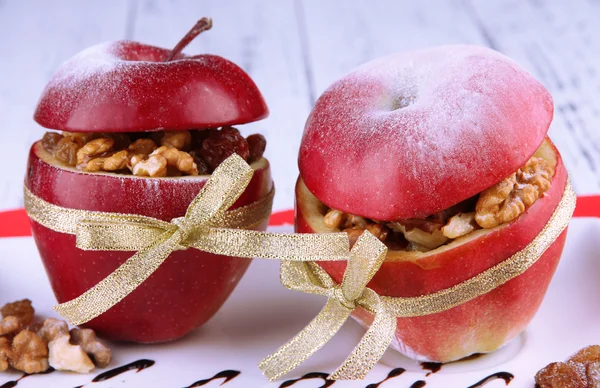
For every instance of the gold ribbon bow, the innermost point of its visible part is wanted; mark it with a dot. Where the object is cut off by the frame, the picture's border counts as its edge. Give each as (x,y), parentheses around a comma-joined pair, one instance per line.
(207,226)
(366,257)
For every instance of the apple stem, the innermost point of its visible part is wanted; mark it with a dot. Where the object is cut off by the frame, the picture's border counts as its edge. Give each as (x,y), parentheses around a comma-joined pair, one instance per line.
(202,25)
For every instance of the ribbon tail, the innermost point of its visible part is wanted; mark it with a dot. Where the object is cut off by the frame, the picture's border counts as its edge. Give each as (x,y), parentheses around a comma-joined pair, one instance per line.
(120,283)
(371,347)
(316,334)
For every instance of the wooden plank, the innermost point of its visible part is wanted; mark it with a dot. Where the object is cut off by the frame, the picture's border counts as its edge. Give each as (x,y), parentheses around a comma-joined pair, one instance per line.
(343,34)
(556,41)
(260,36)
(37,36)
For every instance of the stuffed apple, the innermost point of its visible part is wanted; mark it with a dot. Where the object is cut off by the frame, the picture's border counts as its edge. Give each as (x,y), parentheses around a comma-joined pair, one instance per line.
(142,130)
(443,155)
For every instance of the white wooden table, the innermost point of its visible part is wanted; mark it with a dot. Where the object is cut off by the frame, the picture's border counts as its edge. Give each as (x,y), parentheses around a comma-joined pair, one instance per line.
(295,49)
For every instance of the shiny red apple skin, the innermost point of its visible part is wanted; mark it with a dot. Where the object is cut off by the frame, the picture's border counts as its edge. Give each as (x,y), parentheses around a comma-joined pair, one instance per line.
(483,324)
(434,120)
(125,86)
(185,291)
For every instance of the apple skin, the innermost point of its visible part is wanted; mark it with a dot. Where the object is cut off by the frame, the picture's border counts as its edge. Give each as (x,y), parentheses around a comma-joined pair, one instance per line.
(435,120)
(185,291)
(125,86)
(483,324)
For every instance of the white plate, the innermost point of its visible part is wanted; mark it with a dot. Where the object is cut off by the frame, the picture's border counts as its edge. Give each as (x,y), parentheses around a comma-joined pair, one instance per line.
(261,315)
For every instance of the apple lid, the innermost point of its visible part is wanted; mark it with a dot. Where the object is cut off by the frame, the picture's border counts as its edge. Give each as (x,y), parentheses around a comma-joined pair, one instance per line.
(126,86)
(411,134)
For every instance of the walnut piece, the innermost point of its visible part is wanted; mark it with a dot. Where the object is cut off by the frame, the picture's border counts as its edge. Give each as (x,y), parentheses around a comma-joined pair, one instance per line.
(29,353)
(86,338)
(9,325)
(65,356)
(94,148)
(116,161)
(176,139)
(580,370)
(5,353)
(180,160)
(334,218)
(459,225)
(142,146)
(52,329)
(420,237)
(21,309)
(154,166)
(509,198)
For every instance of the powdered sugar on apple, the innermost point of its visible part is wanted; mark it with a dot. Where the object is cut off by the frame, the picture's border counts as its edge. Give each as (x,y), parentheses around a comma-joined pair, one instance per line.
(417,132)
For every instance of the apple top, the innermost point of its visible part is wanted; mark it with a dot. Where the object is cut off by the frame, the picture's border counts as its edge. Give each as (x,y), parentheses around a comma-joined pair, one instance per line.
(125,86)
(414,133)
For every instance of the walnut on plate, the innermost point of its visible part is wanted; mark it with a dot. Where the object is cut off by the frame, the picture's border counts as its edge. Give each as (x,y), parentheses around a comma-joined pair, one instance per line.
(21,310)
(5,353)
(29,353)
(582,370)
(86,338)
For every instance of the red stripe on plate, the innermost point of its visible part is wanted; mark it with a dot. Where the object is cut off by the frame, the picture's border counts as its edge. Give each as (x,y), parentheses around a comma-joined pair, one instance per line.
(14,223)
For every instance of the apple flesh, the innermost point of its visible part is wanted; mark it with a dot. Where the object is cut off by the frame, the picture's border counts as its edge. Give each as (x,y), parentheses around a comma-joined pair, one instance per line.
(483,324)
(185,291)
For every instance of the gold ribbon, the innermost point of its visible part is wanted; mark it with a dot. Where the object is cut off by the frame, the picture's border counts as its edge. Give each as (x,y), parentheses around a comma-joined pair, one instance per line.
(207,226)
(365,258)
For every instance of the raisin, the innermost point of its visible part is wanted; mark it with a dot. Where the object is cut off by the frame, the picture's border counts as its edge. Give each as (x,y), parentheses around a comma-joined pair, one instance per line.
(219,145)
(256,144)
(66,151)
(50,140)
(203,168)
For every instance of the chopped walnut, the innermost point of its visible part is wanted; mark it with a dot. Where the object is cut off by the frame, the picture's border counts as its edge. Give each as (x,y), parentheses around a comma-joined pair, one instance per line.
(9,325)
(86,338)
(587,354)
(81,138)
(562,375)
(420,237)
(116,161)
(142,146)
(592,373)
(65,356)
(334,218)
(52,329)
(29,353)
(180,160)
(22,310)
(459,225)
(93,165)
(94,148)
(154,166)
(508,199)
(176,139)
(580,370)
(5,353)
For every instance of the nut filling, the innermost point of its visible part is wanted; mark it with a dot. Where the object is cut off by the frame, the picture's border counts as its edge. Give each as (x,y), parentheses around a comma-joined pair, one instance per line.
(499,204)
(156,154)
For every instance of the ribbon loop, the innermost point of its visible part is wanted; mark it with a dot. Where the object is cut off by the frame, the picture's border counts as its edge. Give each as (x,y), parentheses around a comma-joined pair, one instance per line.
(364,260)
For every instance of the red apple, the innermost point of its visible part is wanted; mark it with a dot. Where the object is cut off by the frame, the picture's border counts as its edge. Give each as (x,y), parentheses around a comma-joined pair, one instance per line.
(412,134)
(122,86)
